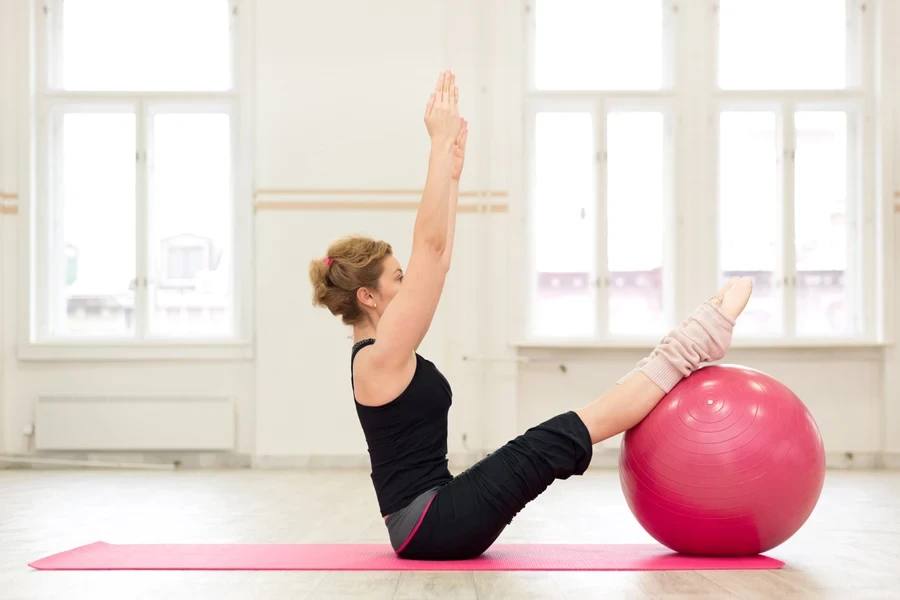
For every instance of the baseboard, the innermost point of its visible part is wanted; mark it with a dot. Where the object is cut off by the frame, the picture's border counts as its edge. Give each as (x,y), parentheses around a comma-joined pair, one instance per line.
(310,461)
(854,460)
(891,460)
(608,458)
(183,460)
(604,459)
(343,461)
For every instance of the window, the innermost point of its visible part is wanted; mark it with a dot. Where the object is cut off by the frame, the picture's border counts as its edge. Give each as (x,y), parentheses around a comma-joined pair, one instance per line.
(160,45)
(750,219)
(93,188)
(569,35)
(635,201)
(790,114)
(184,263)
(600,194)
(668,150)
(565,205)
(600,168)
(823,244)
(137,223)
(805,44)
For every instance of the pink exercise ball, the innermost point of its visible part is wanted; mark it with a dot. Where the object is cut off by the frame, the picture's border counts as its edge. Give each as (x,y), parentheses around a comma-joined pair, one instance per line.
(729,463)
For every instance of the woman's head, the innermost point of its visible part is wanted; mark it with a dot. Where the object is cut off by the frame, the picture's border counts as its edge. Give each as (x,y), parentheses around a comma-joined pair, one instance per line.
(356,279)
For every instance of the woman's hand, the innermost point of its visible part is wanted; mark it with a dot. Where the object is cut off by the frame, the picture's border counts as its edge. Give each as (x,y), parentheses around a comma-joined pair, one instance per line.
(442,112)
(459,150)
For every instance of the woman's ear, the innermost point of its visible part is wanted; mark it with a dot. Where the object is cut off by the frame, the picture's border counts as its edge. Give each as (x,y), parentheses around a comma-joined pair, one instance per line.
(365,297)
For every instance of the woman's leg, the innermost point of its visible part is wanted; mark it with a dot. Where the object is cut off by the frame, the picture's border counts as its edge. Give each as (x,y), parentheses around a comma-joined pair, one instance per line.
(704,336)
(469,513)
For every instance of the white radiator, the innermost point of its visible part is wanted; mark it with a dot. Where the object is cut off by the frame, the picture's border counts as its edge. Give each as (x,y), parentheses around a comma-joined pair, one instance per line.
(137,423)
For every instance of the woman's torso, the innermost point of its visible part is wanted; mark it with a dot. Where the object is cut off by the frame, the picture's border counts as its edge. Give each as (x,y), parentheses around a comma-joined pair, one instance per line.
(407,437)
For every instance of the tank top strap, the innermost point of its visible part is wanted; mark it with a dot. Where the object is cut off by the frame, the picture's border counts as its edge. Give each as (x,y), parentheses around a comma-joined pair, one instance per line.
(356,348)
(359,346)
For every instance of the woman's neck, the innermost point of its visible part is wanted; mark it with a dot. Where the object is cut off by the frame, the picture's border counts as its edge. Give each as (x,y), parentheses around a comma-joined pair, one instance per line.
(363,332)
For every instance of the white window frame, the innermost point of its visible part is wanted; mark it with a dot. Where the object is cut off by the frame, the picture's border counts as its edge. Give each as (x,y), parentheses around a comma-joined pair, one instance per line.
(682,281)
(857,101)
(600,103)
(35,343)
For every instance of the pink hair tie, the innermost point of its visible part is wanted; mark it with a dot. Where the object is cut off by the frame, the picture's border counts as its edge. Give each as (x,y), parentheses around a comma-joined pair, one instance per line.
(328,262)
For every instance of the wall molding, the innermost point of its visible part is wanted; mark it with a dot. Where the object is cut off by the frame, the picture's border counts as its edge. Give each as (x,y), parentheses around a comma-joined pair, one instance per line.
(458,460)
(373,206)
(184,460)
(604,459)
(9,203)
(608,458)
(372,192)
(302,199)
(890,460)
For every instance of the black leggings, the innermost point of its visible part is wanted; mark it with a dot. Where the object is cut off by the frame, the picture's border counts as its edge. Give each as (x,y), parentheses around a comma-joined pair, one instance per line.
(469,512)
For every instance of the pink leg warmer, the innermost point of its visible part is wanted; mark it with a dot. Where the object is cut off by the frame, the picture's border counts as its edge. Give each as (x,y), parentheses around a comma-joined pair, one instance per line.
(704,336)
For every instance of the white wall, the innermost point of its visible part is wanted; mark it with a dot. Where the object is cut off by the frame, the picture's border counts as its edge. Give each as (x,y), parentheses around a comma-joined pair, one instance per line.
(351,119)
(339,92)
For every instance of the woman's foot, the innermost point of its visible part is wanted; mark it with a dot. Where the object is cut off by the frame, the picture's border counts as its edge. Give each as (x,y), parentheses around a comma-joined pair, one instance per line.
(704,336)
(736,295)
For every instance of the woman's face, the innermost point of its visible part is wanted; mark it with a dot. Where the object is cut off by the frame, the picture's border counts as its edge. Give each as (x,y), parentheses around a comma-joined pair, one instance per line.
(388,283)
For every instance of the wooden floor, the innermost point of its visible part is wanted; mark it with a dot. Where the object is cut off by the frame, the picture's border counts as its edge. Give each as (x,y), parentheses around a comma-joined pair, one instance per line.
(849,549)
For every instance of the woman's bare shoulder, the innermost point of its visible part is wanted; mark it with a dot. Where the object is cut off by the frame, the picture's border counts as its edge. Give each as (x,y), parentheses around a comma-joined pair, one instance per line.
(375,384)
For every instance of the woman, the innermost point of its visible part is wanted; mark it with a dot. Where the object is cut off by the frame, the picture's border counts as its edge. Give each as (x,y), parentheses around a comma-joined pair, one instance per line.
(402,399)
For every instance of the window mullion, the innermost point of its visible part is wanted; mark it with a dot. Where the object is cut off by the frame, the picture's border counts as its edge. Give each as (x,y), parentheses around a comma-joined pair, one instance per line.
(669,44)
(530,35)
(863,167)
(788,246)
(53,45)
(233,43)
(860,275)
(143,157)
(54,303)
(856,75)
(601,235)
(529,174)
(673,232)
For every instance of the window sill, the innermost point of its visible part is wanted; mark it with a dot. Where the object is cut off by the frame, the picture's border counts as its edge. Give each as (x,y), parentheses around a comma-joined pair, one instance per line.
(737,344)
(82,350)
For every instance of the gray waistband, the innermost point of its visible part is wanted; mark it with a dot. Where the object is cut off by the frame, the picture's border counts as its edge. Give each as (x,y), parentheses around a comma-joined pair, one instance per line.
(401,523)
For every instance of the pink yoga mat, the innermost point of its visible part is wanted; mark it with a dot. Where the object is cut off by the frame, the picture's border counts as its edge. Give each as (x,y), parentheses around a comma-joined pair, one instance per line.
(379,557)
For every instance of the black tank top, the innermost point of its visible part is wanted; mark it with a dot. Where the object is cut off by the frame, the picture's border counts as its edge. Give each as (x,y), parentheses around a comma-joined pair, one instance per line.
(407,437)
